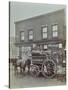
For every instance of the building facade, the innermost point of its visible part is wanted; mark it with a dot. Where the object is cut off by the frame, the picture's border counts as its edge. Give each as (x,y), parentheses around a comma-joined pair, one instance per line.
(47,31)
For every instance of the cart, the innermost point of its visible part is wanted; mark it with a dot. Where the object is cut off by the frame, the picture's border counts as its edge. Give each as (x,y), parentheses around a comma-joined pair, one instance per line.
(43,62)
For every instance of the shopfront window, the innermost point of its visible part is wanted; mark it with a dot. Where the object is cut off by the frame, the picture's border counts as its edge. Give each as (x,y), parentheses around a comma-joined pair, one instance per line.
(60,45)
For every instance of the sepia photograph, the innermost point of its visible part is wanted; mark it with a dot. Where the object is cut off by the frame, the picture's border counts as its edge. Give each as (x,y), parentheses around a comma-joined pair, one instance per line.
(37,45)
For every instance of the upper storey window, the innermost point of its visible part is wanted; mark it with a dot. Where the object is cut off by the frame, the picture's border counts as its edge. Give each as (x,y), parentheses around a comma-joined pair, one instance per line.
(55,30)
(44,32)
(30,34)
(22,35)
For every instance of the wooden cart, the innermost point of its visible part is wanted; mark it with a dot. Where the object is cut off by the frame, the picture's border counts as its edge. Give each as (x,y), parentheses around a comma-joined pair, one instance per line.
(44,63)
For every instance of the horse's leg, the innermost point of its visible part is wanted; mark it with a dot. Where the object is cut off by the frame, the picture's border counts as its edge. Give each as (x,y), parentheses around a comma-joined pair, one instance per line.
(24,68)
(29,62)
(28,68)
(20,68)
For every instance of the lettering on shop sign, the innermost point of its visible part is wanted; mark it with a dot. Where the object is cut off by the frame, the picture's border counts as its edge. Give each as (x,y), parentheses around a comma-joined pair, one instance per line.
(53,46)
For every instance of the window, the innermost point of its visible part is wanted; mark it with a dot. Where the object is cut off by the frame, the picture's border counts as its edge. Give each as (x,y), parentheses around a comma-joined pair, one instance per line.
(55,30)
(22,35)
(45,46)
(60,45)
(34,45)
(30,35)
(44,32)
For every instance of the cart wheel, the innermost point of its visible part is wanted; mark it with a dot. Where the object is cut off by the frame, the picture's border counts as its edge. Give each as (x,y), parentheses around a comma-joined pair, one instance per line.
(34,70)
(49,69)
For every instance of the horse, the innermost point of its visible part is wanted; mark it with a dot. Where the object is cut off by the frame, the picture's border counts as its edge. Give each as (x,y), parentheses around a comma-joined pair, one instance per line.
(22,64)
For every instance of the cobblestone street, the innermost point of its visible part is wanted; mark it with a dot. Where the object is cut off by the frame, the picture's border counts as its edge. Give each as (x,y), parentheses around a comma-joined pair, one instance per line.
(25,81)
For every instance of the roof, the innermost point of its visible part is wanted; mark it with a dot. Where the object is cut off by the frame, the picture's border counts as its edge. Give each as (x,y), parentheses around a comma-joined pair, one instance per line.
(39,16)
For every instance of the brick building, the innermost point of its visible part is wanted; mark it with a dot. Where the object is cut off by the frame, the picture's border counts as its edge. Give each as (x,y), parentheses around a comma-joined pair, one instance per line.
(48,31)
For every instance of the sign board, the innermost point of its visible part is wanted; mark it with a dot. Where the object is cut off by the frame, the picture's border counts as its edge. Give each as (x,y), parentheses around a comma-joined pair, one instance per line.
(55,45)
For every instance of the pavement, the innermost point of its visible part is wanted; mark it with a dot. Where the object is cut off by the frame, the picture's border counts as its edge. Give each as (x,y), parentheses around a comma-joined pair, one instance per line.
(27,81)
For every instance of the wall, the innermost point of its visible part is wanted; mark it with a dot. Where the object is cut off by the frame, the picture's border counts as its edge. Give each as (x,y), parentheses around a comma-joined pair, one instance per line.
(37,22)
(14,51)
